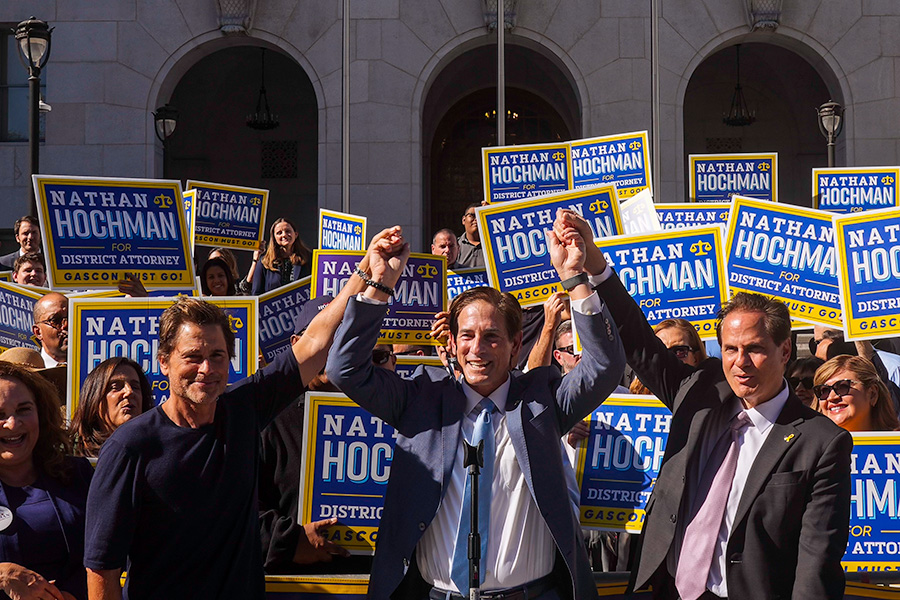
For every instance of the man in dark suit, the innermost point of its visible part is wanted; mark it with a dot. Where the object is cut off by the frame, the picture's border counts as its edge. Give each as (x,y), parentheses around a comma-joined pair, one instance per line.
(531,547)
(785,523)
(28,235)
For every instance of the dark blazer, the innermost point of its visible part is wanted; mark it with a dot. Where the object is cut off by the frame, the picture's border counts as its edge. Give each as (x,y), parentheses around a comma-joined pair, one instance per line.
(426,412)
(9,260)
(792,523)
(266,280)
(67,501)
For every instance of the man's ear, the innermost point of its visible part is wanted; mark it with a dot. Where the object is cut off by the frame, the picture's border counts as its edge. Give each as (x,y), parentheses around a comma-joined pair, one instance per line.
(163,361)
(37,333)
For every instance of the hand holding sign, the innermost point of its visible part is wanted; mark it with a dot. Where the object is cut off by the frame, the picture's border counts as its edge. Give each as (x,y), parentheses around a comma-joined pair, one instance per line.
(314,547)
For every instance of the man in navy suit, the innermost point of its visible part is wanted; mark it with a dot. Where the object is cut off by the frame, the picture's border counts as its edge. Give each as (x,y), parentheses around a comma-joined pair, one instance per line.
(532,547)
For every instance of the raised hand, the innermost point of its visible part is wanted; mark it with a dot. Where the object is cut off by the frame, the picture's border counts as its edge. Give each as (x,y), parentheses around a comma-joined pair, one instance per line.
(566,252)
(385,260)
(567,224)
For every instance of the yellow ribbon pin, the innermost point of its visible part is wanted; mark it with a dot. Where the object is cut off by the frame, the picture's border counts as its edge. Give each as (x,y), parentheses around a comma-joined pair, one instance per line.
(788,438)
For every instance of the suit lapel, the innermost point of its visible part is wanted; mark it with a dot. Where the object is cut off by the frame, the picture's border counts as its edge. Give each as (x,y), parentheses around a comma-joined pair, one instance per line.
(784,434)
(519,396)
(454,403)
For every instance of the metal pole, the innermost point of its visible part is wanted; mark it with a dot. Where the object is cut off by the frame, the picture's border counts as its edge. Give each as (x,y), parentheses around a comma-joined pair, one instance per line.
(830,151)
(501,73)
(345,111)
(34,137)
(654,96)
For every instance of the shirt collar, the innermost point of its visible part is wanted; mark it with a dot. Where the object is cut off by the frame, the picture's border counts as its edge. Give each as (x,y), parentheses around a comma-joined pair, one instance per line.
(498,396)
(764,415)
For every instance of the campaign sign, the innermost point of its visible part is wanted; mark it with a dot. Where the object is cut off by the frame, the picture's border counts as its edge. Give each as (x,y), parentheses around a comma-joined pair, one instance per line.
(681,215)
(340,231)
(228,215)
(95,230)
(622,159)
(347,458)
(408,363)
(786,252)
(639,214)
(617,465)
(465,279)
(868,259)
(420,293)
(190,213)
(874,543)
(101,328)
(17,316)
(719,177)
(675,274)
(516,172)
(855,189)
(514,243)
(6,276)
(278,311)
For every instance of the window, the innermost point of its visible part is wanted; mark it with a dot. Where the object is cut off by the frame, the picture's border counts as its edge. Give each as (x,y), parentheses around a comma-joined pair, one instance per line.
(14,89)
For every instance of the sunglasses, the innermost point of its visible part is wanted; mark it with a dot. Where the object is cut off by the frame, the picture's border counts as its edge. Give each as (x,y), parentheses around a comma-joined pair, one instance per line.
(806,382)
(57,323)
(380,357)
(682,352)
(567,349)
(841,388)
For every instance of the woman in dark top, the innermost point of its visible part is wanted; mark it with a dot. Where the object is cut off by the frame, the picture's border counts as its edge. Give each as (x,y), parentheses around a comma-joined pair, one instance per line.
(43,493)
(286,259)
(114,392)
(216,279)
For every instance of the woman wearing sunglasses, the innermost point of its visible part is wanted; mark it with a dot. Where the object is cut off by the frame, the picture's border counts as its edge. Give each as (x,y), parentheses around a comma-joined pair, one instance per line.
(800,379)
(852,395)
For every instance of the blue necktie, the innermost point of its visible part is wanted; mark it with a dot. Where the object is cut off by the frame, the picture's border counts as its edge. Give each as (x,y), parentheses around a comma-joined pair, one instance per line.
(484,430)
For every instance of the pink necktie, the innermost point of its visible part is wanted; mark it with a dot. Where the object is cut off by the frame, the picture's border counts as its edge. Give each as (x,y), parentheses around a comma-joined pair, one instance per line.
(703,531)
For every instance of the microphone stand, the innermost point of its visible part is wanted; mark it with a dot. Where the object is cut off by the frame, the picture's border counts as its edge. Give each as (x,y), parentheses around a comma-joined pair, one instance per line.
(473,460)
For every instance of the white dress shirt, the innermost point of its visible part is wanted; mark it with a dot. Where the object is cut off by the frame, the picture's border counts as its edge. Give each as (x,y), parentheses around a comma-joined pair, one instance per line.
(49,361)
(763,417)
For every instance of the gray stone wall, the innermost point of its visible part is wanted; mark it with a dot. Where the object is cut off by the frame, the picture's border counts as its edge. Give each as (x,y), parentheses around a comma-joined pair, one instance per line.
(114,61)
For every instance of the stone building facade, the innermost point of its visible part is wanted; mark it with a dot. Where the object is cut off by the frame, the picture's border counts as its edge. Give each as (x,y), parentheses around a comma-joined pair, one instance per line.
(421,72)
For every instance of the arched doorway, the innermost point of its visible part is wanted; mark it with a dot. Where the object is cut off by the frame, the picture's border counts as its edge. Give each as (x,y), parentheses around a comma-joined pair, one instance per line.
(459,119)
(212,141)
(784,90)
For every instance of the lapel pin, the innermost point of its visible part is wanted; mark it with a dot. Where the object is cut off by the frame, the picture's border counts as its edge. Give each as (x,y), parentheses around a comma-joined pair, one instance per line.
(788,438)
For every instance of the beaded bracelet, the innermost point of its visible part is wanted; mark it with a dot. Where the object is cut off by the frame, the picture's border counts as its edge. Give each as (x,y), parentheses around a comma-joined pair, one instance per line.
(378,286)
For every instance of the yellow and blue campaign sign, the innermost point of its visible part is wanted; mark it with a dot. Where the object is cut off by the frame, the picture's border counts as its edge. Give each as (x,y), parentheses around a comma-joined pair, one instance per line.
(855,189)
(639,213)
(689,214)
(420,293)
(868,258)
(617,465)
(17,316)
(101,328)
(6,276)
(622,159)
(516,172)
(347,458)
(228,215)
(408,363)
(341,231)
(190,214)
(674,274)
(95,230)
(278,309)
(719,177)
(465,279)
(514,244)
(874,510)
(786,252)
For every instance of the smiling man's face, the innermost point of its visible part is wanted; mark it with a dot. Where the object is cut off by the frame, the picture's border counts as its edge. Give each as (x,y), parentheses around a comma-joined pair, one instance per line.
(753,362)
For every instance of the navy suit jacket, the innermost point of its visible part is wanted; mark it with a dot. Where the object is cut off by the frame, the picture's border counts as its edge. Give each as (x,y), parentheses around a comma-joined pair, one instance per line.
(9,260)
(427,411)
(792,523)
